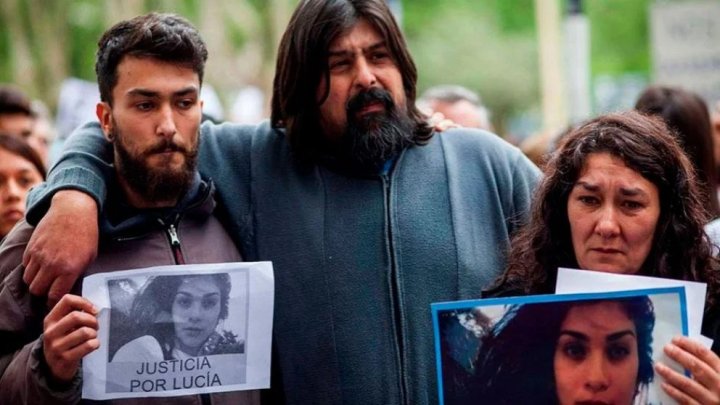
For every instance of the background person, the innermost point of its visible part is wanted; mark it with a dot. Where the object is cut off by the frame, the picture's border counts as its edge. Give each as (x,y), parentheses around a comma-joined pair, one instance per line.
(620,196)
(16,114)
(458,104)
(687,114)
(20,169)
(567,353)
(178,319)
(18,118)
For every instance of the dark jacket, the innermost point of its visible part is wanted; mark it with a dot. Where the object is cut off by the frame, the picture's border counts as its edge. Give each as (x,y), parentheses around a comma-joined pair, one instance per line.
(130,238)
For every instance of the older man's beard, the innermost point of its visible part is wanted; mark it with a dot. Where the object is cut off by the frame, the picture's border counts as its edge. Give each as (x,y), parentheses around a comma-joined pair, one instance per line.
(155,184)
(372,139)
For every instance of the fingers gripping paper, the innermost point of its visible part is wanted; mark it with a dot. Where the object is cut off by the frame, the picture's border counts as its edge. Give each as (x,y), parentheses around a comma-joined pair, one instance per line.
(180,330)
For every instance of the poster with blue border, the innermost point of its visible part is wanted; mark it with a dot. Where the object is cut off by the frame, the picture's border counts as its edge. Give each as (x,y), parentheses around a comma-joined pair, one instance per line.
(552,349)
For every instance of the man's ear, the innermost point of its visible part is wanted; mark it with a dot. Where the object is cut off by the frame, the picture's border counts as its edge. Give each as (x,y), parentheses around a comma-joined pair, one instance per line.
(104,115)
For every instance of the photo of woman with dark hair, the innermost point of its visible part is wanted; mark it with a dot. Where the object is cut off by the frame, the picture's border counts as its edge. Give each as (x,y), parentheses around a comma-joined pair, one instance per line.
(597,351)
(177,317)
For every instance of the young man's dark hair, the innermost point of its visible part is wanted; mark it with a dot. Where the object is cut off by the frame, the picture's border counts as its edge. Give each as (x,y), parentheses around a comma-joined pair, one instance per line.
(302,65)
(14,101)
(166,37)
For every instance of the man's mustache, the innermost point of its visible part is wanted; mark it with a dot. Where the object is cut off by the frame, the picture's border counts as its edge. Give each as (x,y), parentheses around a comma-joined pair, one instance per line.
(166,145)
(365,97)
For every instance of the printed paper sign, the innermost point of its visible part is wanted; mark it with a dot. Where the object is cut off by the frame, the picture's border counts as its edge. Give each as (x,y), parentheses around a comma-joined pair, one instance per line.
(573,281)
(574,348)
(180,330)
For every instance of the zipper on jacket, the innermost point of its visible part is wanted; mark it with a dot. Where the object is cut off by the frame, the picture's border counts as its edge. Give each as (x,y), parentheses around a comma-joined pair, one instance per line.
(395,290)
(175,245)
(171,231)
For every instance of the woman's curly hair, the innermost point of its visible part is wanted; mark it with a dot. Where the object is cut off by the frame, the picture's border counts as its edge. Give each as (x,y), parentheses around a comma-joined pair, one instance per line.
(680,248)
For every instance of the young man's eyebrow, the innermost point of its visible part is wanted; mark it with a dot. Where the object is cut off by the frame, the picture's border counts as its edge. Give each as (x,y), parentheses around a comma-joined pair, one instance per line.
(187,90)
(143,93)
(153,94)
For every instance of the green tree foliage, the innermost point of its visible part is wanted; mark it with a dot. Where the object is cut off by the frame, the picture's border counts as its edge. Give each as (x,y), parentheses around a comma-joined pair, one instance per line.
(488,46)
(619,36)
(42,42)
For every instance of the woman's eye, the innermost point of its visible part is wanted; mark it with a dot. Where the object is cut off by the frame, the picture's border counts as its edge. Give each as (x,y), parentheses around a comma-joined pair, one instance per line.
(633,205)
(25,182)
(184,302)
(617,352)
(575,351)
(588,200)
(209,303)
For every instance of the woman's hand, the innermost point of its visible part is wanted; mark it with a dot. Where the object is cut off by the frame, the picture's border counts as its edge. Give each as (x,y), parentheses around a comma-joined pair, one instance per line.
(704,365)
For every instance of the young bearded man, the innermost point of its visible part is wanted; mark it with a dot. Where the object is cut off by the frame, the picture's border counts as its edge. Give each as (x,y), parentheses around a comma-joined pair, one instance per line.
(159,210)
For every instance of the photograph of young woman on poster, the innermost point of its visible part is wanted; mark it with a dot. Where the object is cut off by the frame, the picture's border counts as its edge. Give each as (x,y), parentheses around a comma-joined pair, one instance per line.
(177,317)
(568,352)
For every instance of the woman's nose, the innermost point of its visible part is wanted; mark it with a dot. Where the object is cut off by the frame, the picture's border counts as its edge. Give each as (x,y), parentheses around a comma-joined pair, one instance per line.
(607,224)
(596,376)
(11,191)
(194,313)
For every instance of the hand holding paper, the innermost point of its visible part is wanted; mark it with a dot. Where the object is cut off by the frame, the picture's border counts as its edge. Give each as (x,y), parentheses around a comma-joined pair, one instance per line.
(703,364)
(70,333)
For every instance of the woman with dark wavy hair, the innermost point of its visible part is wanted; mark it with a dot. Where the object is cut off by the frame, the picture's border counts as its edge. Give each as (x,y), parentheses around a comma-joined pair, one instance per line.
(620,196)
(571,360)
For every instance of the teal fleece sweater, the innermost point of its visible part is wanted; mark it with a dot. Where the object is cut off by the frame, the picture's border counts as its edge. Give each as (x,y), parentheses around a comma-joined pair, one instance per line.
(357,259)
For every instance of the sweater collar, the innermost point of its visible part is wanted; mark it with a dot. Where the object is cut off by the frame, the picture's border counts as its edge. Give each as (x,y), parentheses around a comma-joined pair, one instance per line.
(122,220)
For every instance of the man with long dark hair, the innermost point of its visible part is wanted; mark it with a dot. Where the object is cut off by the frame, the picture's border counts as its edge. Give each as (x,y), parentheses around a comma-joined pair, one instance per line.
(366,213)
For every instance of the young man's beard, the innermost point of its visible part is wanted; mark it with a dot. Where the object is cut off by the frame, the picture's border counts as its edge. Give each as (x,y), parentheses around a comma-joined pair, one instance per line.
(374,138)
(154,184)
